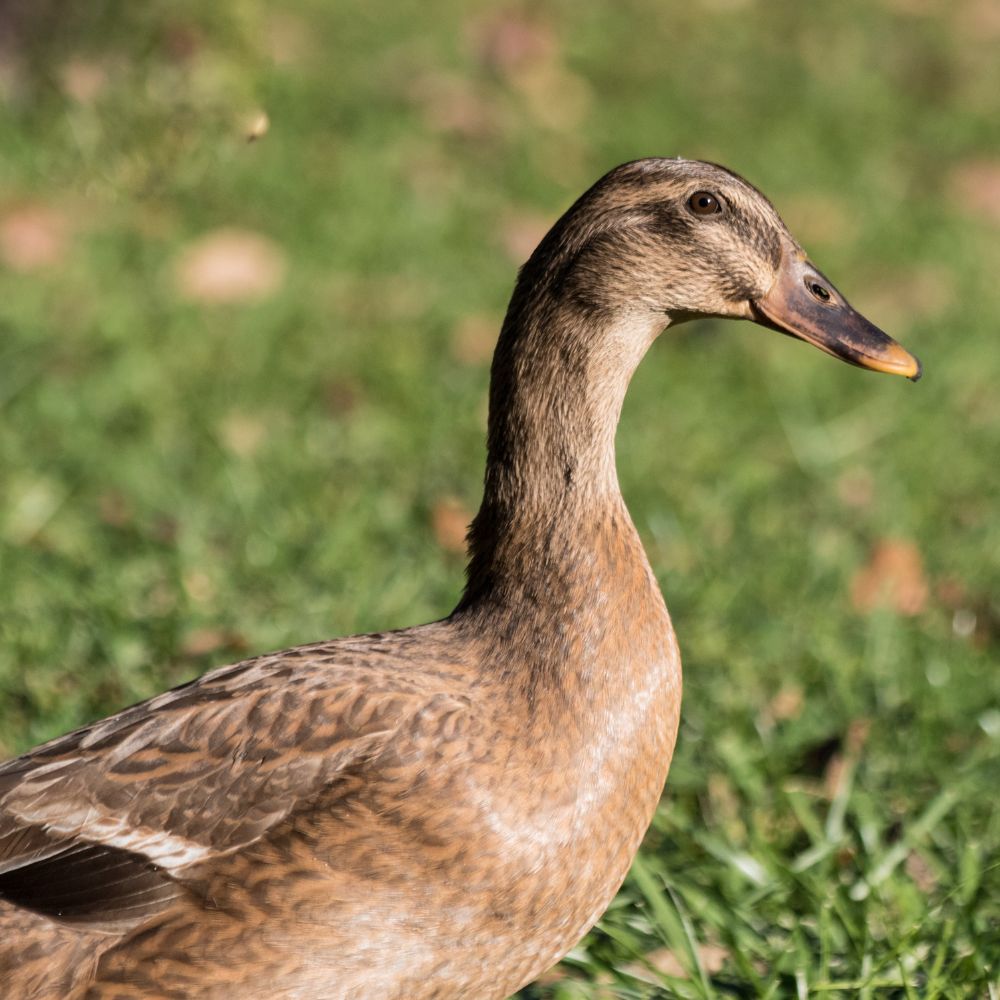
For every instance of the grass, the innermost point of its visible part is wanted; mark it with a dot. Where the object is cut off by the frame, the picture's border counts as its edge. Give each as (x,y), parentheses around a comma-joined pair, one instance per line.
(181,482)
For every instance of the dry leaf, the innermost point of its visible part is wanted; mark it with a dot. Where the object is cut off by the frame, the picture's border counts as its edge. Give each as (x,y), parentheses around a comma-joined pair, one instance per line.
(856,488)
(921,873)
(974,188)
(785,704)
(893,577)
(242,433)
(981,19)
(164,530)
(952,593)
(83,81)
(182,41)
(255,125)
(342,396)
(286,38)
(843,760)
(115,510)
(32,237)
(788,702)
(473,340)
(664,961)
(857,736)
(523,52)
(508,41)
(230,265)
(199,586)
(449,521)
(713,957)
(452,104)
(520,234)
(203,641)
(551,976)
(833,779)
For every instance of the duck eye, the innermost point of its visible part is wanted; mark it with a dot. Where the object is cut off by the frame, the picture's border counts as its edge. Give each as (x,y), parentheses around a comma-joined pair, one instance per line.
(704,203)
(818,291)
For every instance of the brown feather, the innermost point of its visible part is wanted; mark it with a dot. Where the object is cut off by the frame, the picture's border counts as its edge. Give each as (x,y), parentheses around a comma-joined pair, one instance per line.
(438,812)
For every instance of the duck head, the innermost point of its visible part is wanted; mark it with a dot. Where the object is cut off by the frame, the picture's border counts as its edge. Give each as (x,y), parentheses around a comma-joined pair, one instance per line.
(688,239)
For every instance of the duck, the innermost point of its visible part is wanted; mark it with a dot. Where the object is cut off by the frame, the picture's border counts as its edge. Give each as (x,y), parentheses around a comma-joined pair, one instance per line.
(441,811)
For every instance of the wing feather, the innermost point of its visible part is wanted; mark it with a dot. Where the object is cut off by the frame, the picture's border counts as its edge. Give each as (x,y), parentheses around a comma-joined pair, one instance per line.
(102,824)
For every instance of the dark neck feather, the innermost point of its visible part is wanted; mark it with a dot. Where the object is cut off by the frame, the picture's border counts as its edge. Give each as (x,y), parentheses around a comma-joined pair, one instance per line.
(559,376)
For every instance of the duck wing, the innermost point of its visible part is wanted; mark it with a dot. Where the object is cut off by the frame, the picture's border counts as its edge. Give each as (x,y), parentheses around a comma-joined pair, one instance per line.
(100,826)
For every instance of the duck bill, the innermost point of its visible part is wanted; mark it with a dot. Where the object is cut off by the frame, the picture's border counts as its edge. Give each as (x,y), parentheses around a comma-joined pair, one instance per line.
(804,304)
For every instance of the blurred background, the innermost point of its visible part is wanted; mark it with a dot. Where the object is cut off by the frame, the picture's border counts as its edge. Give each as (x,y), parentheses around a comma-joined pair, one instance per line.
(253,260)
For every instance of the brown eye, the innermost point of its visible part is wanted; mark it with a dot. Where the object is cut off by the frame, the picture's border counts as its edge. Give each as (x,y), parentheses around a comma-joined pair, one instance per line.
(704,203)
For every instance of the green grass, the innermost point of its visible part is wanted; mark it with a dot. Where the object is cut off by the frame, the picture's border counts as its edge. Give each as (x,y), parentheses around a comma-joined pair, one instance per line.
(180,483)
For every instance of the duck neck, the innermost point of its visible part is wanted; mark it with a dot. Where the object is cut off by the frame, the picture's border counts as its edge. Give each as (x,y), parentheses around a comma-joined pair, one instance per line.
(552,511)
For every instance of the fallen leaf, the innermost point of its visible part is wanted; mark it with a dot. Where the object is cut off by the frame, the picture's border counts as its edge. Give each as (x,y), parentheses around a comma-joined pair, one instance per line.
(287,39)
(521,233)
(202,641)
(342,396)
(551,976)
(32,237)
(475,337)
(115,510)
(449,522)
(974,189)
(509,40)
(182,41)
(856,488)
(165,529)
(921,873)
(845,757)
(952,593)
(199,586)
(82,80)
(788,702)
(833,778)
(845,856)
(524,53)
(256,124)
(230,265)
(893,577)
(242,433)
(666,962)
(453,104)
(980,19)
(857,736)
(713,957)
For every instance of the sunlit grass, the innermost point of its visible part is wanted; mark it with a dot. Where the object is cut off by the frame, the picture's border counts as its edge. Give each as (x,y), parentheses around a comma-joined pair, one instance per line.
(182,482)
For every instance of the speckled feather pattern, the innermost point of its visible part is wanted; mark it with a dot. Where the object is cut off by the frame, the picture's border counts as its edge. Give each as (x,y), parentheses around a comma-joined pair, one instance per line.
(435,813)
(341,827)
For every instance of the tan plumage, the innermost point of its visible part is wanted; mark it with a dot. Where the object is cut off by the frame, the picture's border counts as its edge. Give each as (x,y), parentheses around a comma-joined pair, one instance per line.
(442,811)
